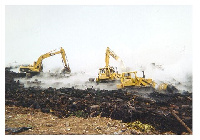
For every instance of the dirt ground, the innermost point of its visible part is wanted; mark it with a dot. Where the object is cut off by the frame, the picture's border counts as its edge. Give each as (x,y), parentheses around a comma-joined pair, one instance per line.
(48,124)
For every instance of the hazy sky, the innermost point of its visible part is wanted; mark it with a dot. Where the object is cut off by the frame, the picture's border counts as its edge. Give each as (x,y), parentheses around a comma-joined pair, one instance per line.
(138,34)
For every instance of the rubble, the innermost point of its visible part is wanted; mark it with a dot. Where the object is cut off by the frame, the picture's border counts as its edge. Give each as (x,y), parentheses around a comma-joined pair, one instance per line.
(17,130)
(154,108)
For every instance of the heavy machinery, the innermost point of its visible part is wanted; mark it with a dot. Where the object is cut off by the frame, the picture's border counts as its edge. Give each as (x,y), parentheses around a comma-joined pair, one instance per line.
(37,66)
(128,81)
(108,73)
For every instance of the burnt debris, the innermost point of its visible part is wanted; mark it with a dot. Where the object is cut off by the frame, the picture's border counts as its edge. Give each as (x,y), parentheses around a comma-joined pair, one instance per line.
(166,112)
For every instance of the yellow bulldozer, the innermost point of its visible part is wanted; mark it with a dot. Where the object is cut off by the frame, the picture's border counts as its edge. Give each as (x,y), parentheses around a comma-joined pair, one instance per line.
(108,73)
(128,81)
(37,66)
(135,82)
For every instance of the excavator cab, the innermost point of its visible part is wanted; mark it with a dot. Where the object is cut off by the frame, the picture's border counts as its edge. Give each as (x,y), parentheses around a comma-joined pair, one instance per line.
(107,74)
(109,71)
(103,74)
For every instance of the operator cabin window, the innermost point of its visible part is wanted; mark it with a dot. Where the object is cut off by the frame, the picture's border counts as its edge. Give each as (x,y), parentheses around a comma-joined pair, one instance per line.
(111,70)
(127,74)
(102,71)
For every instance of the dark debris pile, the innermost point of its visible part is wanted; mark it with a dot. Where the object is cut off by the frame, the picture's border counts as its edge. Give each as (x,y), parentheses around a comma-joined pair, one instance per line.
(155,109)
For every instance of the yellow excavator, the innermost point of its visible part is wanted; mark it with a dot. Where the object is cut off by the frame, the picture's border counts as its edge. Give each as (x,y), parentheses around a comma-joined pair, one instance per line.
(37,66)
(108,73)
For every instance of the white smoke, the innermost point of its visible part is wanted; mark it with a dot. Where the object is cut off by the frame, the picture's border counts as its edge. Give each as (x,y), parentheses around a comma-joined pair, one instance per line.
(78,80)
(164,65)
(171,65)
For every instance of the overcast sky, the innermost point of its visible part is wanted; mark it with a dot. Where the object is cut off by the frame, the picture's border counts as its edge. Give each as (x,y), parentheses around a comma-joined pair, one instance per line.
(138,34)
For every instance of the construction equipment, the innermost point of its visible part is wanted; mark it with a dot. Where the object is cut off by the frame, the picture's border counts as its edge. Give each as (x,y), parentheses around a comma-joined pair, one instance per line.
(37,66)
(128,81)
(108,73)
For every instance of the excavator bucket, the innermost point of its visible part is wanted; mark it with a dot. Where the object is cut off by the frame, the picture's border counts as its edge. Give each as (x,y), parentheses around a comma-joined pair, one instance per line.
(66,70)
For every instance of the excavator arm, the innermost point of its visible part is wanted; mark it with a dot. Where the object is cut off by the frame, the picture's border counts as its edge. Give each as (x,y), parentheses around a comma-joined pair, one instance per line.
(66,66)
(109,53)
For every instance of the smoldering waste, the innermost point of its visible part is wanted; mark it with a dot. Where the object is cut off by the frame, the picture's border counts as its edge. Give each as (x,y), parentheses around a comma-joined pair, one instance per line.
(157,109)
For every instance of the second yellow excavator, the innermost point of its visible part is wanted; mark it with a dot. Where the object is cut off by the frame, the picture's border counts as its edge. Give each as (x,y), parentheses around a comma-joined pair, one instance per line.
(108,73)
(37,66)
